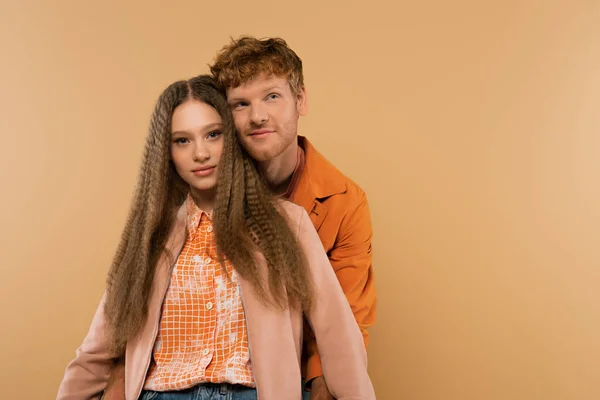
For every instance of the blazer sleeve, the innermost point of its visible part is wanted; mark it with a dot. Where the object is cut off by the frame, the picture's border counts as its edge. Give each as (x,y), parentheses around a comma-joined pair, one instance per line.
(351,258)
(86,376)
(338,336)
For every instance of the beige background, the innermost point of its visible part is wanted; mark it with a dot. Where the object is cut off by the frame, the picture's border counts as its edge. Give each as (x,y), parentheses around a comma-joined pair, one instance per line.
(473,128)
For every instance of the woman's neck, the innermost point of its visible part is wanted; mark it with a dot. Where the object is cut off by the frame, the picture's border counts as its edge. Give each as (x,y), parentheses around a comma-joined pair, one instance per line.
(204,199)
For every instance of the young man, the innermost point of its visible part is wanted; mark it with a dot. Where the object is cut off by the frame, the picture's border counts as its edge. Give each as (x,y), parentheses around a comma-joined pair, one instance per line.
(263,80)
(265,89)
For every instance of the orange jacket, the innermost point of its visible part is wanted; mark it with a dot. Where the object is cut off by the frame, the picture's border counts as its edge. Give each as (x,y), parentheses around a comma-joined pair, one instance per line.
(339,211)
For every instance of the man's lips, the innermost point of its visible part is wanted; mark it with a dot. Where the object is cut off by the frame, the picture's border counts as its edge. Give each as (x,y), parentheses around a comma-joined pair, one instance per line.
(260,132)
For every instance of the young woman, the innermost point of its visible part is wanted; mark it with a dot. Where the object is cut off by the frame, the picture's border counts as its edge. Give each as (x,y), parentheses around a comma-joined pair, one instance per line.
(207,291)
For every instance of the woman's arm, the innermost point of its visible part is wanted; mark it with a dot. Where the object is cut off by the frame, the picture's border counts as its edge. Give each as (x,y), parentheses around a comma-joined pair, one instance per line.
(339,340)
(86,376)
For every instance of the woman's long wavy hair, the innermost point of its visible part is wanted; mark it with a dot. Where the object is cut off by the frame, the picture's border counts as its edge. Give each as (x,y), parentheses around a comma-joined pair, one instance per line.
(245,219)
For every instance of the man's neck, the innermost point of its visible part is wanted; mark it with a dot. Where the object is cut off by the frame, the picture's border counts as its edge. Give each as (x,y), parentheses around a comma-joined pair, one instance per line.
(279,170)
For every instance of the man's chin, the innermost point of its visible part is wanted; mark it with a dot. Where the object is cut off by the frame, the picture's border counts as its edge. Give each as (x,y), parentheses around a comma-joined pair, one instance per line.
(263,154)
(262,157)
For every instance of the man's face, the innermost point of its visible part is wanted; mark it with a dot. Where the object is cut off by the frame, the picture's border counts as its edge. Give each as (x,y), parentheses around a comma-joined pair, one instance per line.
(266,114)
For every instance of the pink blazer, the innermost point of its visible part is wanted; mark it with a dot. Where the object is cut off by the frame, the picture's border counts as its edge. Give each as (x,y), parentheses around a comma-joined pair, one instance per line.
(275,337)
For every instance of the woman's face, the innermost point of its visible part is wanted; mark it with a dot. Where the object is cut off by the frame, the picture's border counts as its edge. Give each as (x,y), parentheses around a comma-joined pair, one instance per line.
(197,145)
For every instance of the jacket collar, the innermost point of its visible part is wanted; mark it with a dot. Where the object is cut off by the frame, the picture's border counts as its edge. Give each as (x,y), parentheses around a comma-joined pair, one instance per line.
(319,180)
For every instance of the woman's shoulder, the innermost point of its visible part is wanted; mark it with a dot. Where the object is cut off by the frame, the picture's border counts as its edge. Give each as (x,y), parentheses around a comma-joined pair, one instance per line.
(292,212)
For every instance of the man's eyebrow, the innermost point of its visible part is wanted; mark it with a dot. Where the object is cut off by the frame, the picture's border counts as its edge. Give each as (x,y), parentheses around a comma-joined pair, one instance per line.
(266,90)
(275,86)
(234,100)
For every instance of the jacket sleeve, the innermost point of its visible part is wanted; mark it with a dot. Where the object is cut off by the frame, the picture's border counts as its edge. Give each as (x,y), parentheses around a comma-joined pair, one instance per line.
(86,376)
(351,259)
(338,338)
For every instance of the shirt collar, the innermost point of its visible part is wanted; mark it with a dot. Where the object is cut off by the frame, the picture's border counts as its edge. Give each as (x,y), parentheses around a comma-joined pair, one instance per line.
(194,215)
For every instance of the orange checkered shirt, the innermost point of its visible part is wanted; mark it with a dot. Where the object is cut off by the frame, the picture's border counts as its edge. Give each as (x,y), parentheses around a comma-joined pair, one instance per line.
(202,335)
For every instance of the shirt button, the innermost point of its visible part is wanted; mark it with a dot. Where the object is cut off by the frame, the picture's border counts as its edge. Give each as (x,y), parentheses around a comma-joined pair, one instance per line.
(210,228)
(207,260)
(205,352)
(209,305)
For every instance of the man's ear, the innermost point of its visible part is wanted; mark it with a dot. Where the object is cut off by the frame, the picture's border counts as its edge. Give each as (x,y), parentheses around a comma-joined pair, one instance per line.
(302,102)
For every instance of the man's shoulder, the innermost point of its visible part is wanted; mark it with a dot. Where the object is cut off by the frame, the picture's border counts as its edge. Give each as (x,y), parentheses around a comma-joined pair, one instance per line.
(326,179)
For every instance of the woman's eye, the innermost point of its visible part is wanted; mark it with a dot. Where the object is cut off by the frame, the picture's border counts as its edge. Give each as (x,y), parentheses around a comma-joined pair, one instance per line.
(273,96)
(214,134)
(181,140)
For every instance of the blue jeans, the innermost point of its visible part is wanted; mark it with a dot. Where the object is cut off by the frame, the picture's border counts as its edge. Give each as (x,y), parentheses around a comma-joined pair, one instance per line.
(305,394)
(204,391)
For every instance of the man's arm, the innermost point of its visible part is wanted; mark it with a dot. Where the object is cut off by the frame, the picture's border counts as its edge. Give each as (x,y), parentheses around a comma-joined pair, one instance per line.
(351,259)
